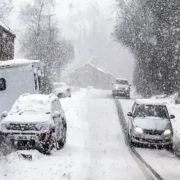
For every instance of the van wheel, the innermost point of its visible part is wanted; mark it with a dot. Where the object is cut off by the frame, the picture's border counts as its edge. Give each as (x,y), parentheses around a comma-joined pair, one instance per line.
(62,142)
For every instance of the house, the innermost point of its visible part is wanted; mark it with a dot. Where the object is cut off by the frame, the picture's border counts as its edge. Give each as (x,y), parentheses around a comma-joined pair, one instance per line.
(7,38)
(90,75)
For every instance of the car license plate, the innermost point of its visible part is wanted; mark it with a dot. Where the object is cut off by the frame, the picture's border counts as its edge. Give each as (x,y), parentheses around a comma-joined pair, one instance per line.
(22,138)
(153,137)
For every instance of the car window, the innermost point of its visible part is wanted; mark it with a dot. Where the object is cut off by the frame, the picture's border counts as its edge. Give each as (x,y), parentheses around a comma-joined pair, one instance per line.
(2,84)
(123,82)
(151,111)
(133,107)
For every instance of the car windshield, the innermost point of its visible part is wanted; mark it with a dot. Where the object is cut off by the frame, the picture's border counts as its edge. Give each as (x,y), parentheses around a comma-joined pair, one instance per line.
(123,82)
(151,111)
(36,106)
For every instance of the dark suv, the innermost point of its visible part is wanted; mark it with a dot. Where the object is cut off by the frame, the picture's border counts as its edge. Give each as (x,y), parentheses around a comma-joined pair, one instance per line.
(36,121)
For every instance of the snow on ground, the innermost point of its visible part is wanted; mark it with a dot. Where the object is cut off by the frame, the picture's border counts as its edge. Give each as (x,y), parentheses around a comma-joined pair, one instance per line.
(164,162)
(95,148)
(110,158)
(62,164)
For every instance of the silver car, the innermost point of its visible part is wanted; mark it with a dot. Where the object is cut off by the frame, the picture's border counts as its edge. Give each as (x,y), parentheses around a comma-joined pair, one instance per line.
(149,124)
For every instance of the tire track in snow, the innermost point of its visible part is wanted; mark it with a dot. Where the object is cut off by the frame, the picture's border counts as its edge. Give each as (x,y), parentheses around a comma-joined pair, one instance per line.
(149,172)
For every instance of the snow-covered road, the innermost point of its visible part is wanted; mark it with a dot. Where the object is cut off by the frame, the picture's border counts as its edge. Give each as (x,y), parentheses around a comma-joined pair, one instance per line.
(163,162)
(95,148)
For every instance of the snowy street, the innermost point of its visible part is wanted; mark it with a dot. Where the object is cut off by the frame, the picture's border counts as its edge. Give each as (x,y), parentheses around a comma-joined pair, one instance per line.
(95,146)
(95,149)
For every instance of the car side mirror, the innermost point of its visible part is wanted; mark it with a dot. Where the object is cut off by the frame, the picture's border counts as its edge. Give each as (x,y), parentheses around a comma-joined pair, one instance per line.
(129,114)
(56,114)
(172,116)
(4,114)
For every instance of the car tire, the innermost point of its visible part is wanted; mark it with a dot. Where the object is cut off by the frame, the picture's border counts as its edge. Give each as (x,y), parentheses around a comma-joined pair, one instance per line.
(62,141)
(169,147)
(47,147)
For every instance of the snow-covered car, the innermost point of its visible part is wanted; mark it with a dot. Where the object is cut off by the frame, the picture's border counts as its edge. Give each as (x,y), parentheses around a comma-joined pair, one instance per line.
(150,123)
(121,88)
(62,90)
(36,121)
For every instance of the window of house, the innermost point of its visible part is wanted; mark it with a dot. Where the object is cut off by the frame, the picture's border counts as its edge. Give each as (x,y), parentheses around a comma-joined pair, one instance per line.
(2,84)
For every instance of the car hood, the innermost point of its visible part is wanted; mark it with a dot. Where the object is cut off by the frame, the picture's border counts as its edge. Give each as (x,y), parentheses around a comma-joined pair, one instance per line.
(151,123)
(60,90)
(27,117)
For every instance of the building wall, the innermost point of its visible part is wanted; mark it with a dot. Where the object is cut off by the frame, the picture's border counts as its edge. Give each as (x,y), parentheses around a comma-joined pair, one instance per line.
(90,76)
(6,44)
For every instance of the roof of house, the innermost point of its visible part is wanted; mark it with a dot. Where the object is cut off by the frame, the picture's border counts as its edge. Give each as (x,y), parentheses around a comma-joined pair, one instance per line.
(95,67)
(6,27)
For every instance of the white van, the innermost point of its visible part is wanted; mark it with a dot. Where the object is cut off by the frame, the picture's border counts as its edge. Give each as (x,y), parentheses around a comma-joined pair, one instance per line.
(17,77)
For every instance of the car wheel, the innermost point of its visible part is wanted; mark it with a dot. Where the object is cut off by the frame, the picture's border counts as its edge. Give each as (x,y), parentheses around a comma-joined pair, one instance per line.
(47,147)
(169,147)
(62,141)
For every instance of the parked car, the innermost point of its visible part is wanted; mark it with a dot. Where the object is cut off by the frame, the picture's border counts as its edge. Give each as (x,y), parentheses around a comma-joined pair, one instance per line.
(150,123)
(62,90)
(35,121)
(121,88)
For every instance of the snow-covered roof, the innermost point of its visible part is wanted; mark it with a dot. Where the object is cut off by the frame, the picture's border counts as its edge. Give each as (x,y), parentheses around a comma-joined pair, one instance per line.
(34,101)
(96,67)
(150,102)
(31,108)
(2,24)
(18,62)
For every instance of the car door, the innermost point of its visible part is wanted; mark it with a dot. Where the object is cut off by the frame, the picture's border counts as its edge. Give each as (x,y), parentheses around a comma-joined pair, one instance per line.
(57,119)
(130,119)
(63,118)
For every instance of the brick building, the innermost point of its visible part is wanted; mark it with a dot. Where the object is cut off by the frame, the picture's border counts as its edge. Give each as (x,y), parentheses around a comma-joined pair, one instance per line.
(7,38)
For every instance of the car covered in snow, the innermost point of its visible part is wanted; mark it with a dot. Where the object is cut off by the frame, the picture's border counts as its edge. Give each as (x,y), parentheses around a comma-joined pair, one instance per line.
(36,121)
(150,124)
(121,87)
(62,90)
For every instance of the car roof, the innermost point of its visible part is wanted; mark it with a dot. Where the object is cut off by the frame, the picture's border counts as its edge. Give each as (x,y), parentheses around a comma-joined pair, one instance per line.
(38,97)
(150,102)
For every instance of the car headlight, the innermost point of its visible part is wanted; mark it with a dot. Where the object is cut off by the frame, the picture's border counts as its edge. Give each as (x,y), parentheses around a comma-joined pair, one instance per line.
(167,132)
(42,127)
(138,130)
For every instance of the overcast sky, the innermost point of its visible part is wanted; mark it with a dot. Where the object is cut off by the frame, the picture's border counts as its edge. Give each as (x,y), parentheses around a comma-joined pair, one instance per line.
(72,14)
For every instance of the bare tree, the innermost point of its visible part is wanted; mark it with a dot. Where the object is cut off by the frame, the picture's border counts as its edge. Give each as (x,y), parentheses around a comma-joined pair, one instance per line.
(5,7)
(42,39)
